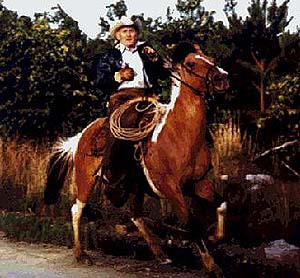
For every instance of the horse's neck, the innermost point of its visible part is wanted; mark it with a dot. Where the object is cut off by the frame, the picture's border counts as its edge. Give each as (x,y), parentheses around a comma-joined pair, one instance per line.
(187,105)
(184,110)
(175,92)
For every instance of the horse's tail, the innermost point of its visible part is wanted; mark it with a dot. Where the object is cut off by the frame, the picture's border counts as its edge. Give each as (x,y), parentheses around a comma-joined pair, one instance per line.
(60,166)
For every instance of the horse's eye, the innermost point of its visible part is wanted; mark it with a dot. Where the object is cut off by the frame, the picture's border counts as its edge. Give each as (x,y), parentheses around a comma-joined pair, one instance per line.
(190,65)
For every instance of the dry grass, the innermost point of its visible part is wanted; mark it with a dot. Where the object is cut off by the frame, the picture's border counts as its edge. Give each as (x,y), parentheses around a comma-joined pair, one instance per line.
(23,175)
(231,148)
(24,164)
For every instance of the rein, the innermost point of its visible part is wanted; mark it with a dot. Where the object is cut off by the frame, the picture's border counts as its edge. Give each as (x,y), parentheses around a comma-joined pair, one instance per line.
(198,92)
(205,78)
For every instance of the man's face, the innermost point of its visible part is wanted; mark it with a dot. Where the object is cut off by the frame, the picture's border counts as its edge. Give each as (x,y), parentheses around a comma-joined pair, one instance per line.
(128,36)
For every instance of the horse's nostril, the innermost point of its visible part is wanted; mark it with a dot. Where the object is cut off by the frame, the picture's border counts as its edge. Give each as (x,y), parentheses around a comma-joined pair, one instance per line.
(220,81)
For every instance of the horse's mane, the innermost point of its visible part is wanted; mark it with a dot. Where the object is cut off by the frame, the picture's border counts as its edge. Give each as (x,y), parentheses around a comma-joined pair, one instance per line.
(181,51)
(175,90)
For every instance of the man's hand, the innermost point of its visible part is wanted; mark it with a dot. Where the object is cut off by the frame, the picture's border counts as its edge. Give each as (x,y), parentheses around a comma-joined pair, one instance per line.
(125,74)
(151,53)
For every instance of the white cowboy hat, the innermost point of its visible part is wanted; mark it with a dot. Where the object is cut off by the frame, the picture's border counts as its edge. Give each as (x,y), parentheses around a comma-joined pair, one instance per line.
(125,21)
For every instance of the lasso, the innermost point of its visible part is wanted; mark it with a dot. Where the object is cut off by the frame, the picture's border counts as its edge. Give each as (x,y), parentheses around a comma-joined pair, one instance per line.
(135,133)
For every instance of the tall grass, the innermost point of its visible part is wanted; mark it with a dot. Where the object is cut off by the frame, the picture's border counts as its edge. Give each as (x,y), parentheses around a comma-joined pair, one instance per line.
(231,148)
(23,174)
(24,164)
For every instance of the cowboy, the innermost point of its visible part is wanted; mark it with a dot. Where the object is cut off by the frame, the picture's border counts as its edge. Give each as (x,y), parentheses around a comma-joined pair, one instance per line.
(131,69)
(131,64)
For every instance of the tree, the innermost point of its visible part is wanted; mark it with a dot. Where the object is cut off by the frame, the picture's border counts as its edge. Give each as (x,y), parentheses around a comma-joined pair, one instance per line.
(256,44)
(45,89)
(284,91)
(114,11)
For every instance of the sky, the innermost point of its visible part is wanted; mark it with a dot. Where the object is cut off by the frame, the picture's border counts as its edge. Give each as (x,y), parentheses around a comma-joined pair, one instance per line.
(87,12)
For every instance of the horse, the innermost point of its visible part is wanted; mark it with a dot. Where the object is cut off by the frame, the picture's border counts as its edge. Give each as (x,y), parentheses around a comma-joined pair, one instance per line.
(174,157)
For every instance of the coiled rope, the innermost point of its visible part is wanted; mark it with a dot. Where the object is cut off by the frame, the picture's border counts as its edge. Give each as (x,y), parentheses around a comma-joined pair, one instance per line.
(135,133)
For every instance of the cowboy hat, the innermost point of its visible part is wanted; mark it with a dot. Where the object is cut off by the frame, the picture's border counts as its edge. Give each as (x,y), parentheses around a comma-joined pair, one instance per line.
(125,22)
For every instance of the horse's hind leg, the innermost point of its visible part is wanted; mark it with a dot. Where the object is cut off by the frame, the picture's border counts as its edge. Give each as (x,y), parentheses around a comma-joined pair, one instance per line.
(76,210)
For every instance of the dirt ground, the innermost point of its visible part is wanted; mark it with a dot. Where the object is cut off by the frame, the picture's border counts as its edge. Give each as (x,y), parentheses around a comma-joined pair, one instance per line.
(24,260)
(273,248)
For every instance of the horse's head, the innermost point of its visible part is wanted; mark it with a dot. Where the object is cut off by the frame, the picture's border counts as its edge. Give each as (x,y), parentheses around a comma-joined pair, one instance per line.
(200,73)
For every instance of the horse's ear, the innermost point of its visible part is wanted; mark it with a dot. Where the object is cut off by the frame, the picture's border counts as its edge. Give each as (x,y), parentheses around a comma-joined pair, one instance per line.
(181,51)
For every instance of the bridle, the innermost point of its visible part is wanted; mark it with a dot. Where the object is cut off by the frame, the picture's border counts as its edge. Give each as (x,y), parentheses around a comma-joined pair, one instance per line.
(209,82)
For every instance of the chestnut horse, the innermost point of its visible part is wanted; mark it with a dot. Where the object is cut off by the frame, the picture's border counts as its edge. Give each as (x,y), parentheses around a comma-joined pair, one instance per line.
(173,157)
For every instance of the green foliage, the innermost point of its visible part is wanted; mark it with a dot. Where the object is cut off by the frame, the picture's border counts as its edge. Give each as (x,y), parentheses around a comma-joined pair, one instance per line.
(47,73)
(280,125)
(193,24)
(289,62)
(282,117)
(116,10)
(45,89)
(256,46)
(35,229)
(285,105)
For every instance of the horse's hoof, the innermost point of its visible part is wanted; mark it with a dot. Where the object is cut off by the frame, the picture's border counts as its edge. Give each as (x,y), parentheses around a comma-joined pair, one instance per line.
(84,259)
(213,239)
(216,238)
(210,266)
(163,260)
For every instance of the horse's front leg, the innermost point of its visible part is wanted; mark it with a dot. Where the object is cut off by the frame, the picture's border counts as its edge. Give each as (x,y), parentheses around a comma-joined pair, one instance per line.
(207,259)
(204,189)
(221,214)
(152,240)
